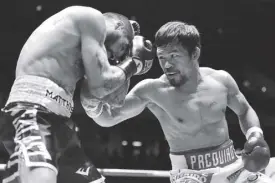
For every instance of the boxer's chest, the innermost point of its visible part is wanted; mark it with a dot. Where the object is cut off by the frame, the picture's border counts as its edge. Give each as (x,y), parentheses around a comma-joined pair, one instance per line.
(206,105)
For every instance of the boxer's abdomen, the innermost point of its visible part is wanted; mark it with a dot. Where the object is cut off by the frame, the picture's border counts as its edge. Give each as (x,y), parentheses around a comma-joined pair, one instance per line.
(192,120)
(211,135)
(53,51)
(186,135)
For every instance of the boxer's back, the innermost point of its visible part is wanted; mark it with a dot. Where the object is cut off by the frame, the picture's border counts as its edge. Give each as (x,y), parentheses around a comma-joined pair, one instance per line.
(53,51)
(192,120)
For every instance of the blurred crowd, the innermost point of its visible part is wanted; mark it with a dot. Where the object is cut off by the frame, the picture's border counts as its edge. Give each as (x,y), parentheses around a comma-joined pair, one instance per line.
(136,155)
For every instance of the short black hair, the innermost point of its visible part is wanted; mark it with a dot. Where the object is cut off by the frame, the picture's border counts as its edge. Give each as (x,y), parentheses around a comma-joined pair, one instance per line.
(187,35)
(122,24)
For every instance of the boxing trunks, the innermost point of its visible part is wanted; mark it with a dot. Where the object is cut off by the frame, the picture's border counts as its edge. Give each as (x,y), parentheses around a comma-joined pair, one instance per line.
(211,165)
(37,130)
(270,169)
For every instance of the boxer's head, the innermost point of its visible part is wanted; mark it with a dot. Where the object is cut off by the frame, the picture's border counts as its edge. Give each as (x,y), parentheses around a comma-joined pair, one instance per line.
(178,50)
(119,36)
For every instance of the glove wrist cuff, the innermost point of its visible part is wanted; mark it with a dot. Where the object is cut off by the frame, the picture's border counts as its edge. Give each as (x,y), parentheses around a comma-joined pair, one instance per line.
(252,130)
(129,67)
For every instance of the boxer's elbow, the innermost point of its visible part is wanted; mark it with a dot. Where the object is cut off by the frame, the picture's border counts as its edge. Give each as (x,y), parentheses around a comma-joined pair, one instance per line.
(248,118)
(109,119)
(99,119)
(245,111)
(105,122)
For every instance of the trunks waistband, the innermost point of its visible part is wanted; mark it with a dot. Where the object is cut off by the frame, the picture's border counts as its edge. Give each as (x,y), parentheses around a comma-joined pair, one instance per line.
(42,91)
(205,158)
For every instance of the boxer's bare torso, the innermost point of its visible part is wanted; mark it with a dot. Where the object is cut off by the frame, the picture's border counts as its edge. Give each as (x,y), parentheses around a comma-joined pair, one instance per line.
(191,120)
(68,45)
(53,51)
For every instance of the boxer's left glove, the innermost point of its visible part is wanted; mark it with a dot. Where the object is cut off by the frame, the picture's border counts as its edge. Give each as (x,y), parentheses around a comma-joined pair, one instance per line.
(256,154)
(143,54)
(135,26)
(142,58)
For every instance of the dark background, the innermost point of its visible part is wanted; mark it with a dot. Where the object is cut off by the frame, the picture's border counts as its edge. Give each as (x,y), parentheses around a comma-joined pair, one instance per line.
(237,36)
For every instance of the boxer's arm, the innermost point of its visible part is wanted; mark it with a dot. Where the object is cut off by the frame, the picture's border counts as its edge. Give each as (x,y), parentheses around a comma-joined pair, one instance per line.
(256,153)
(238,103)
(135,102)
(102,78)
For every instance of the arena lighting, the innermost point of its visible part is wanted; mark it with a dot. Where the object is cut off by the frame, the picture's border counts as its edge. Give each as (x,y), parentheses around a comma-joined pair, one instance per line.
(264,89)
(38,8)
(137,143)
(124,143)
(220,30)
(246,83)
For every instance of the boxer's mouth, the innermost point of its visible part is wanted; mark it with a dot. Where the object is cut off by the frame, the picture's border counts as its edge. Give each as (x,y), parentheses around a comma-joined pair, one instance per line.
(170,73)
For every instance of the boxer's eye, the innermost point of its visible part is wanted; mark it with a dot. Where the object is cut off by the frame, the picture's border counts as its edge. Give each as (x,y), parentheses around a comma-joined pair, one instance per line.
(174,56)
(161,58)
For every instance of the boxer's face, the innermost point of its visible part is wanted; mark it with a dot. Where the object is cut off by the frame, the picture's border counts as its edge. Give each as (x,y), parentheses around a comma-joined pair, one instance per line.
(117,47)
(175,62)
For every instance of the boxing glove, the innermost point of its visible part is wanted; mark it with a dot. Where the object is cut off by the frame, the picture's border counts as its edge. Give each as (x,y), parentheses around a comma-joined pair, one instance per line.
(143,54)
(256,153)
(135,26)
(141,60)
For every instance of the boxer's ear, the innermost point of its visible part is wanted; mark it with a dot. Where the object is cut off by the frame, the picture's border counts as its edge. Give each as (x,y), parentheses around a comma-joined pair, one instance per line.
(196,53)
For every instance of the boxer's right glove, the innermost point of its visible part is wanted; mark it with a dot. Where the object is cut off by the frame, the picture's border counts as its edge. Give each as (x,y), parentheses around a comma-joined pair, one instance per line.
(142,58)
(256,154)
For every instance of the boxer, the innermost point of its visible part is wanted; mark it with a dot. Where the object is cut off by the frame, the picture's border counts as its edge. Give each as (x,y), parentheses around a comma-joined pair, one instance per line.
(74,43)
(190,103)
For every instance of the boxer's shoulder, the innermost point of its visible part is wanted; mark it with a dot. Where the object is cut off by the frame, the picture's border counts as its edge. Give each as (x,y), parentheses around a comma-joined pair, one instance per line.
(207,71)
(83,13)
(224,77)
(148,86)
(88,20)
(152,83)
(219,75)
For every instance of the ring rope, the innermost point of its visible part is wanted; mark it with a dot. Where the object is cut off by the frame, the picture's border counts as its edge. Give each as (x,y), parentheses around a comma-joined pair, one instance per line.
(125,172)
(135,173)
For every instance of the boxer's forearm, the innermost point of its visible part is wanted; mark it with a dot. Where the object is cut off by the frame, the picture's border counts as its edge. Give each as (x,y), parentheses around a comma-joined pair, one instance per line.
(249,119)
(111,116)
(111,81)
